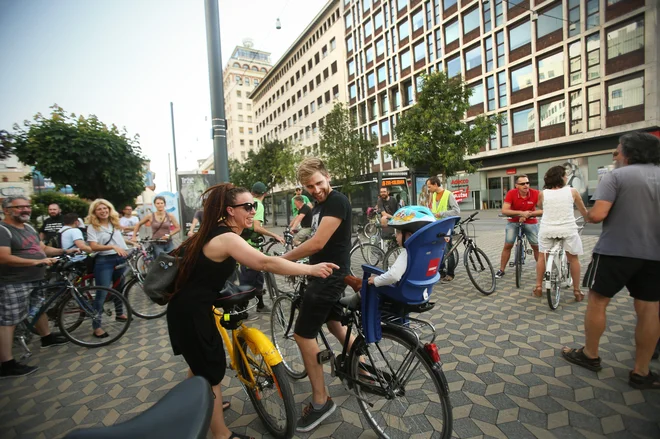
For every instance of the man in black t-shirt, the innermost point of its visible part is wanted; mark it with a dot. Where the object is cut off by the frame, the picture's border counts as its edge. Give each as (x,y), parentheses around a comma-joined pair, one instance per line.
(331,242)
(51,226)
(386,206)
(304,219)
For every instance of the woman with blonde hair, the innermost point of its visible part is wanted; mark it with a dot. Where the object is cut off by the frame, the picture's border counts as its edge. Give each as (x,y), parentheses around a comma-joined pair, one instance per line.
(105,238)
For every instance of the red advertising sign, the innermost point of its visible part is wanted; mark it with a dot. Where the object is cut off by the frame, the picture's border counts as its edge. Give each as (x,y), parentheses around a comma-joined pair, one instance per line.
(511,171)
(432,269)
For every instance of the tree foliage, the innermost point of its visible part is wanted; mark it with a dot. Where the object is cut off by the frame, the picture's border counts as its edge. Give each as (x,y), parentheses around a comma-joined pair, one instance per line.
(273,164)
(347,152)
(433,134)
(67,203)
(6,147)
(96,160)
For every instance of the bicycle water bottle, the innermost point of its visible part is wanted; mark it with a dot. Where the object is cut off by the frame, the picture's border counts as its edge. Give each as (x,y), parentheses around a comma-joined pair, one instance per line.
(34,309)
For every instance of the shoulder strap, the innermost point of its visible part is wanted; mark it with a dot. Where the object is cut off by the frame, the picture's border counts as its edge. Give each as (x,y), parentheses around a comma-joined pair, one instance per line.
(7,230)
(112,232)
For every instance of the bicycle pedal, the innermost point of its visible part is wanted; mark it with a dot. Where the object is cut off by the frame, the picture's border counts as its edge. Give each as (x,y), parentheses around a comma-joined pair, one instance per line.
(512,264)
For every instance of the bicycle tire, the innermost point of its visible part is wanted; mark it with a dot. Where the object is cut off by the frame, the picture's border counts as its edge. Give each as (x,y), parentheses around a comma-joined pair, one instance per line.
(554,292)
(141,305)
(390,257)
(274,378)
(271,286)
(142,264)
(453,258)
(369,230)
(402,412)
(368,254)
(88,294)
(519,262)
(477,263)
(280,316)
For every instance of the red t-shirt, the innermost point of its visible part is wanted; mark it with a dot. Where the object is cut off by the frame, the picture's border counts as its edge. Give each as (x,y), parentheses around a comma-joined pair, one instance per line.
(524,204)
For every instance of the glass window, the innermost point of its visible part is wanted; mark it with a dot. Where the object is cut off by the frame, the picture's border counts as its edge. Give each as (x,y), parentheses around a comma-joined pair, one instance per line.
(477,96)
(380,47)
(349,20)
(552,113)
(487,17)
(385,128)
(593,16)
(378,20)
(351,67)
(448,3)
(549,21)
(405,60)
(369,55)
(368,29)
(490,87)
(408,89)
(551,67)
(626,94)
(396,97)
(471,21)
(500,48)
(504,131)
(371,80)
(577,123)
(418,20)
(593,57)
(429,40)
(520,35)
(523,120)
(521,78)
(382,73)
(573,17)
(384,104)
(349,44)
(437,10)
(438,43)
(499,13)
(351,91)
(401,4)
(473,58)
(454,67)
(593,105)
(451,32)
(501,82)
(489,54)
(366,4)
(404,30)
(625,39)
(575,63)
(419,50)
(333,44)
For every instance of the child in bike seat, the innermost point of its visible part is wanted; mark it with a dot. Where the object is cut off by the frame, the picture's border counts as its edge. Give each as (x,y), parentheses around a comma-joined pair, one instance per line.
(405,222)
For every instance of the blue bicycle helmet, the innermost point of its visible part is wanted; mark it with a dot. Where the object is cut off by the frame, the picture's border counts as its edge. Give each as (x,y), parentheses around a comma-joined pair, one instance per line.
(411,218)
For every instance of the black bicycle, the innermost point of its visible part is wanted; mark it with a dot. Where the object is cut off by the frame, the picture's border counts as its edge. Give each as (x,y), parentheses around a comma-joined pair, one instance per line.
(391,378)
(521,252)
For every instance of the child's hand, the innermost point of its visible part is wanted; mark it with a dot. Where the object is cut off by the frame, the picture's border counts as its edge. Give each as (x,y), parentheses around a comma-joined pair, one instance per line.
(371,279)
(447,239)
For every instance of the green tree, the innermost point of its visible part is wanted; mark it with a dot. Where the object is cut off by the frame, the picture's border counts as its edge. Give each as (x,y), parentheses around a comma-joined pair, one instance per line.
(347,153)
(6,147)
(240,174)
(68,204)
(433,134)
(96,160)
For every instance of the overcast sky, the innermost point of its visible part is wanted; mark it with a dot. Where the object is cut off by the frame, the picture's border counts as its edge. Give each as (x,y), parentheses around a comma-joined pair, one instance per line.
(126,60)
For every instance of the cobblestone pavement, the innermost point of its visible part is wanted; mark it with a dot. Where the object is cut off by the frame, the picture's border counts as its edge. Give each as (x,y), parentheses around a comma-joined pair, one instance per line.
(500,354)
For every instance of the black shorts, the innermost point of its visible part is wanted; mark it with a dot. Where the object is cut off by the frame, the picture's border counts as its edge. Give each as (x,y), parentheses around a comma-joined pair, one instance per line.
(320,304)
(609,274)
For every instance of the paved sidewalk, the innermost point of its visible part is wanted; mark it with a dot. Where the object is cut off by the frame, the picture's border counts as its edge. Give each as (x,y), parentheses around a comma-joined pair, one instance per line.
(500,354)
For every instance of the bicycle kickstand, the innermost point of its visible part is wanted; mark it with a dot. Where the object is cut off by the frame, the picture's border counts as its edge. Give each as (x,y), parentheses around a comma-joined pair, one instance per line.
(28,353)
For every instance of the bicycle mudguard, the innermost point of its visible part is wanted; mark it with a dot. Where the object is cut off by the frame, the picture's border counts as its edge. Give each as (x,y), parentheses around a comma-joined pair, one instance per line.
(258,342)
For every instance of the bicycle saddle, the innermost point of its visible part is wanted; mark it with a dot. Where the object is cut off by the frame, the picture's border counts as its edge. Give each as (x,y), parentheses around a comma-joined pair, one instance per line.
(350,301)
(184,413)
(232,295)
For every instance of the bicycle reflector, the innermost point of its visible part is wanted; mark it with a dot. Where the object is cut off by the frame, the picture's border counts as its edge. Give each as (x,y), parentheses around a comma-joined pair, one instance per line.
(432,350)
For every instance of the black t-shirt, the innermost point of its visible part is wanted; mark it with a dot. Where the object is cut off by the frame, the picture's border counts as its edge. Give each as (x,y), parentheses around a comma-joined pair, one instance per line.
(306,222)
(338,247)
(50,227)
(390,206)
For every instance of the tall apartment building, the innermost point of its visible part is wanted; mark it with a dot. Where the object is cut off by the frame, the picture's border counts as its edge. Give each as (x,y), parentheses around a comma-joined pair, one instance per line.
(244,72)
(568,76)
(294,97)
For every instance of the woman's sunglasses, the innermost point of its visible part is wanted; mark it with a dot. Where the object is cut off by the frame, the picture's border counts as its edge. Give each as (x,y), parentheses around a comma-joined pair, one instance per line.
(247,206)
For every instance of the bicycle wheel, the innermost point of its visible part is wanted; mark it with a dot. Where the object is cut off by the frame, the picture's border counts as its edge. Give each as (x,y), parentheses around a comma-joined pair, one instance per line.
(553,282)
(142,264)
(281,318)
(390,257)
(479,270)
(141,305)
(271,286)
(365,254)
(453,258)
(98,305)
(520,251)
(271,393)
(276,248)
(407,394)
(369,230)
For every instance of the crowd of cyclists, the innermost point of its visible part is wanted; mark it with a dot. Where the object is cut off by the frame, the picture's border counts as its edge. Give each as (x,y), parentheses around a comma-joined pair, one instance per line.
(231,224)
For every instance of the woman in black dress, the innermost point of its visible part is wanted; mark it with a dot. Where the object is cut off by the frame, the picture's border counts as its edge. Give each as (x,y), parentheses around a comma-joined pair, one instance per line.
(208,260)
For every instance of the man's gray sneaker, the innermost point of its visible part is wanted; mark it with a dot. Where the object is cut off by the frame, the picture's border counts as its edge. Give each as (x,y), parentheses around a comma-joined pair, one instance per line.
(16,369)
(499,274)
(53,339)
(311,418)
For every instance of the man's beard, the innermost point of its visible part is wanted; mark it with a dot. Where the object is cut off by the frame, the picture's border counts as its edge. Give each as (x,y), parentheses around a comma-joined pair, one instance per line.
(21,218)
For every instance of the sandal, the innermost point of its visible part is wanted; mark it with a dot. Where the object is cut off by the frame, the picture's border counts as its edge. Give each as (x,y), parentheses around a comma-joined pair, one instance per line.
(239,436)
(577,357)
(579,295)
(225,405)
(650,381)
(538,291)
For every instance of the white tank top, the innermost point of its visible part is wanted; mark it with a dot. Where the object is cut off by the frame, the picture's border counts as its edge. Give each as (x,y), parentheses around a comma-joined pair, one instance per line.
(558,220)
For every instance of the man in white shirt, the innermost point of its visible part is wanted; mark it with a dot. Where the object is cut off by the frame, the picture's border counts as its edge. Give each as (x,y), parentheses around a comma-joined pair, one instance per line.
(71,236)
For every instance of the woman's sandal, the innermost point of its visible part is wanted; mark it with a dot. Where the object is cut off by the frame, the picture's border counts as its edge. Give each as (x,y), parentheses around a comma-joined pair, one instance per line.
(538,291)
(577,356)
(225,405)
(579,295)
(650,381)
(240,436)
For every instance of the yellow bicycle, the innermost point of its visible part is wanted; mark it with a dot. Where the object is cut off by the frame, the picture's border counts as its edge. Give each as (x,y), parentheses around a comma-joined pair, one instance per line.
(256,361)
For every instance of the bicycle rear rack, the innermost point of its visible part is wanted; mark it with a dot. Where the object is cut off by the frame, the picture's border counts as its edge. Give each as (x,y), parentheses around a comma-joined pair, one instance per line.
(419,328)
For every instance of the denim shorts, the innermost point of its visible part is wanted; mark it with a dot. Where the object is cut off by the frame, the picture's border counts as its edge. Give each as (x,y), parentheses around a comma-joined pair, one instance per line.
(531,231)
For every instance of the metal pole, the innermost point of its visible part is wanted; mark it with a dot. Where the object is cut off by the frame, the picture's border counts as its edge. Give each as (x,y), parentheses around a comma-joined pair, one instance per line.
(169,172)
(176,178)
(218,121)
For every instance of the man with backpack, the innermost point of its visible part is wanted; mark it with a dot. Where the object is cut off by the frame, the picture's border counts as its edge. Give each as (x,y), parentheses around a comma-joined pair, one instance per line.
(253,236)
(70,236)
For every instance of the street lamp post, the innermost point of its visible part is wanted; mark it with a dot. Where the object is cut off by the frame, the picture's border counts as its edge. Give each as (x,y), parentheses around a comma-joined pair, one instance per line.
(218,121)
